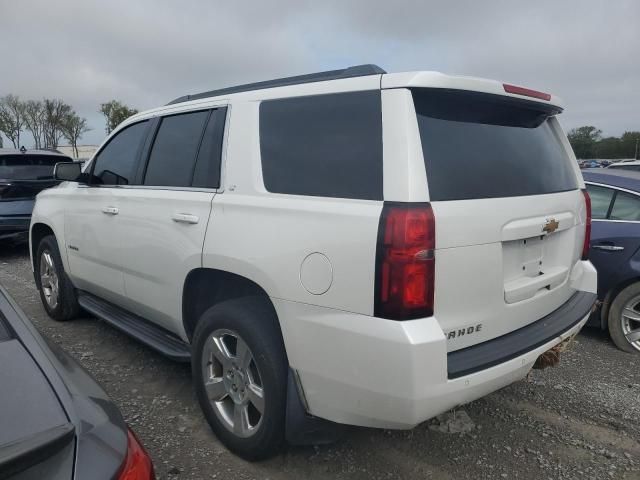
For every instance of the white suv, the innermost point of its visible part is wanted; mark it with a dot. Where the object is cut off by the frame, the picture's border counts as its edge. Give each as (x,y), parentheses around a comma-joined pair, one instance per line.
(350,247)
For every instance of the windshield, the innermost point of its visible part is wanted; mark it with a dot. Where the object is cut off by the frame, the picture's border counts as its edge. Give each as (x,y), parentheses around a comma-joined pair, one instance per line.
(28,167)
(487,146)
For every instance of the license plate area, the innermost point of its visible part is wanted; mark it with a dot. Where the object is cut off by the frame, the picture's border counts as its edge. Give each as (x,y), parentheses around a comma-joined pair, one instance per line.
(533,266)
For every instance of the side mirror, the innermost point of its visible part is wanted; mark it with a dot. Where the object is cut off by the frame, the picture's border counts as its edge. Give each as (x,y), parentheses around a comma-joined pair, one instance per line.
(67,171)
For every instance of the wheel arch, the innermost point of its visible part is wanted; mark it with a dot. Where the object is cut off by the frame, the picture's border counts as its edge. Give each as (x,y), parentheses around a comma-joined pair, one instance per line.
(611,296)
(205,287)
(37,232)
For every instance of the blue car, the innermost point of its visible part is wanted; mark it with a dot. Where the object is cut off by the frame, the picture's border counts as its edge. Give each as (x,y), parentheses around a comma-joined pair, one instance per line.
(615,244)
(23,174)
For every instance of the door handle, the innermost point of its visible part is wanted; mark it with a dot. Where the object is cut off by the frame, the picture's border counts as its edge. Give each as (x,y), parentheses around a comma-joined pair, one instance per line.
(110,210)
(185,218)
(609,248)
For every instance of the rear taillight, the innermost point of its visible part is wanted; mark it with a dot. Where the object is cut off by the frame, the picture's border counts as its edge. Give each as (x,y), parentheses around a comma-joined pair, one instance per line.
(405,262)
(527,92)
(587,228)
(137,464)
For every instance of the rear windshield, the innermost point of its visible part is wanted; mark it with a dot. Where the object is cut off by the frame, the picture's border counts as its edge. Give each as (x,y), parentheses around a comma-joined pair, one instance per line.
(486,146)
(29,167)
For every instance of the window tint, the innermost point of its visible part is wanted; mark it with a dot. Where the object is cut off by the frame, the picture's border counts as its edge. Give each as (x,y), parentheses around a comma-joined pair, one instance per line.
(486,146)
(626,207)
(116,163)
(600,200)
(173,155)
(29,167)
(207,172)
(325,145)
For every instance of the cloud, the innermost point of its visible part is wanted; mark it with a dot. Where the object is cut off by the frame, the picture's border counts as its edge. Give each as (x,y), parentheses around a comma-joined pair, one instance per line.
(147,52)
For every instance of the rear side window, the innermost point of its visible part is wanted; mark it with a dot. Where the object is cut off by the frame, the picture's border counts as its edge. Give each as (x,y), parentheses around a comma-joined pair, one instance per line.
(116,163)
(207,171)
(600,200)
(173,155)
(625,207)
(486,146)
(325,145)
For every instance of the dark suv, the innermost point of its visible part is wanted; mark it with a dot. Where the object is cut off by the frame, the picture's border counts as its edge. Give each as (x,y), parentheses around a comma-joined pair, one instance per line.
(23,174)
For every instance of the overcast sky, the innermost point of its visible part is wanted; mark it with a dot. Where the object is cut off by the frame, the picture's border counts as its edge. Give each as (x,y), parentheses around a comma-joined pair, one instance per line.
(147,52)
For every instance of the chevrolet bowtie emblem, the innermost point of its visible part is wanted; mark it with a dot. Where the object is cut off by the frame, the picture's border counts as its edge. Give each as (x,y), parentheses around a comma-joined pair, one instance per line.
(551,226)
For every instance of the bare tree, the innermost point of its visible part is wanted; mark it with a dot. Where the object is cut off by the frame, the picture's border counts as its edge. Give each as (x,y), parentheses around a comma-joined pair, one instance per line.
(115,113)
(56,113)
(35,118)
(73,129)
(12,118)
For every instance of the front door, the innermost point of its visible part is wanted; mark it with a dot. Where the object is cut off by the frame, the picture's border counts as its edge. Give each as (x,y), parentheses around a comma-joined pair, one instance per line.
(93,236)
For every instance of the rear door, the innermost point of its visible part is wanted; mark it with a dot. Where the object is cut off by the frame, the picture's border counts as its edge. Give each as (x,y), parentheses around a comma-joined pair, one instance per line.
(165,218)
(508,207)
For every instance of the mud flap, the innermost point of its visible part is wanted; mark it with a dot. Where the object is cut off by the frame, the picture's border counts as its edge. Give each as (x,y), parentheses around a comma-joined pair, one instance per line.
(302,428)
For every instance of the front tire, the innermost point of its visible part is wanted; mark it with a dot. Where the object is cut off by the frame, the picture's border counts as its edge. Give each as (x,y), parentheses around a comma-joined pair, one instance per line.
(56,290)
(239,370)
(624,319)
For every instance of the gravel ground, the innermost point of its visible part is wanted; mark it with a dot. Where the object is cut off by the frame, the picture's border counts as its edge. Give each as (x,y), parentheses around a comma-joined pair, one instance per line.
(578,420)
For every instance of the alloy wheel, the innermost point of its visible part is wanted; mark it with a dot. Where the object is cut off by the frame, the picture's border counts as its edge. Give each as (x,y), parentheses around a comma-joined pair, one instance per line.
(630,321)
(233,382)
(49,279)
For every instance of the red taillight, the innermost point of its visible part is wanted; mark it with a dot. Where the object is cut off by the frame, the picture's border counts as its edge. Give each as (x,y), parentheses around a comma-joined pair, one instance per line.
(527,92)
(137,465)
(587,228)
(405,262)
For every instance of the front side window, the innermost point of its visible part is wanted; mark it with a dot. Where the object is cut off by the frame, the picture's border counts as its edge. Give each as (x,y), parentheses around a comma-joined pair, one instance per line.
(174,151)
(600,200)
(117,161)
(625,207)
(323,145)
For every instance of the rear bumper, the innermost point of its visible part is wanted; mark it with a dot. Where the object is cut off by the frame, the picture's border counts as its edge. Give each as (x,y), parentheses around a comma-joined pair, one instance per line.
(372,372)
(499,350)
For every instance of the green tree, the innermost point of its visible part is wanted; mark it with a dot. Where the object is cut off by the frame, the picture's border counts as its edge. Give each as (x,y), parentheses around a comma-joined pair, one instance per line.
(609,147)
(583,141)
(115,113)
(628,143)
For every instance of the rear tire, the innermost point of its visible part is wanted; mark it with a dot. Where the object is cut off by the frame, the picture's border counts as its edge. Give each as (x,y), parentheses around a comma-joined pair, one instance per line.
(224,385)
(624,306)
(56,290)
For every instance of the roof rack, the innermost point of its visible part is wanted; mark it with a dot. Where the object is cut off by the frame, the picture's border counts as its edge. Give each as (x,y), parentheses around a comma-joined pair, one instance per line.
(349,72)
